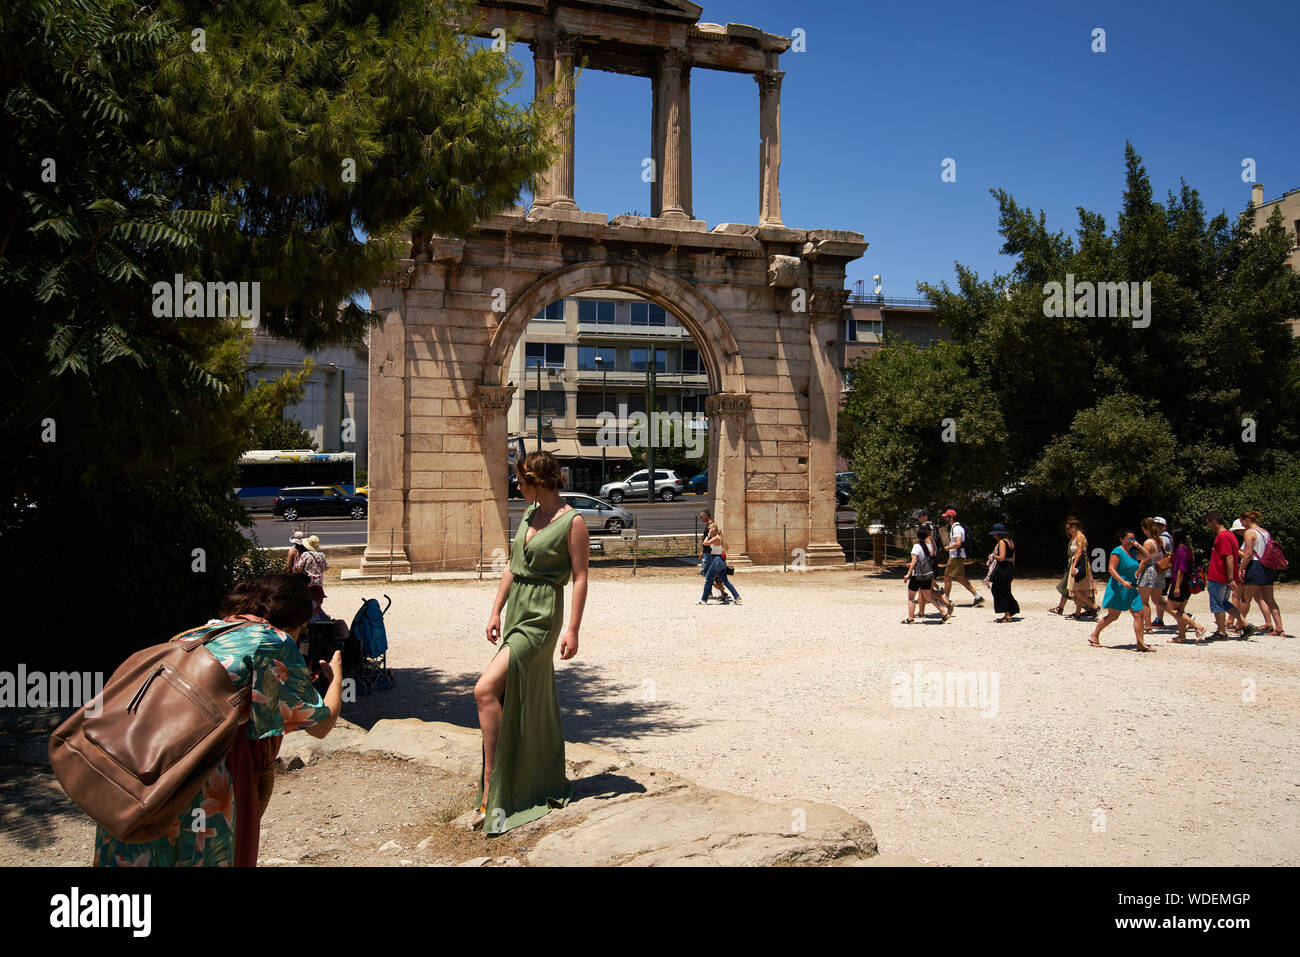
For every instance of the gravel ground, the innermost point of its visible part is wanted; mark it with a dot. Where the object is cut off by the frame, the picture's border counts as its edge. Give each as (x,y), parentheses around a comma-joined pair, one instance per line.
(1078,756)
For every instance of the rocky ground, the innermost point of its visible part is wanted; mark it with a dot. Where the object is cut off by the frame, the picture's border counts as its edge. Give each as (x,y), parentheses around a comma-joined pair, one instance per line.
(734,719)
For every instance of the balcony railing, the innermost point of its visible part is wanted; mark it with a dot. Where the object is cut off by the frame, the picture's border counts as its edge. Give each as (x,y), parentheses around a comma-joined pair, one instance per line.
(633,332)
(622,377)
(868,300)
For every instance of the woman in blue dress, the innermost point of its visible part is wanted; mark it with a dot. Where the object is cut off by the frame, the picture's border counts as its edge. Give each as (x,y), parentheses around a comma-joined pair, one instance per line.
(1121,588)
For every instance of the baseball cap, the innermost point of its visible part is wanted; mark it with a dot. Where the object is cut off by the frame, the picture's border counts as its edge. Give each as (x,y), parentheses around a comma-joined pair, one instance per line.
(1159,521)
(951,513)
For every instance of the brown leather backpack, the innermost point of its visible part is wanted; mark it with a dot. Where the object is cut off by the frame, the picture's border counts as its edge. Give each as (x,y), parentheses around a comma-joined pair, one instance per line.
(135,755)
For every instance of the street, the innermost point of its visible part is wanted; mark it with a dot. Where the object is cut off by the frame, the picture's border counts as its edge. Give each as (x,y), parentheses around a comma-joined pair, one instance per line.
(658,518)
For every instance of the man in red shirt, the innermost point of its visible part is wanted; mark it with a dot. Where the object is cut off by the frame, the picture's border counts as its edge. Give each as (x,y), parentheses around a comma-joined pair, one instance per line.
(1221,571)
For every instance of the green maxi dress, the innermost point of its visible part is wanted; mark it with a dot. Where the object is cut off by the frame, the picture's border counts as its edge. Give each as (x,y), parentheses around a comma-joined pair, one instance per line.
(528,775)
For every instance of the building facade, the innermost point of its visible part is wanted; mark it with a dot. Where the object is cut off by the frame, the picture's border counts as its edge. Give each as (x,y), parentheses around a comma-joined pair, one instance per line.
(589,353)
(1289,203)
(335,402)
(867,321)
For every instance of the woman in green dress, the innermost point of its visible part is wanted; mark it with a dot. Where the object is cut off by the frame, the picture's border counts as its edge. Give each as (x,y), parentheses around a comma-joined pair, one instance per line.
(518,710)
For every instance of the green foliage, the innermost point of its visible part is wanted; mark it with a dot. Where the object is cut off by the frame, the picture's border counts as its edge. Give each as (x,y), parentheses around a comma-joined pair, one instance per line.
(1274,494)
(894,417)
(1115,451)
(129,157)
(1096,415)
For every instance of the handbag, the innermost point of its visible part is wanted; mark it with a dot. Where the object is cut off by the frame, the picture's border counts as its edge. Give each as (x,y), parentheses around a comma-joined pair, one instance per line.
(136,754)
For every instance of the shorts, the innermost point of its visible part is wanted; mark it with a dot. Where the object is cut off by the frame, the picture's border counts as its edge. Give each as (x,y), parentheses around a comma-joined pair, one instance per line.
(1220,602)
(1150,577)
(956,568)
(919,584)
(1257,574)
(1081,570)
(1178,596)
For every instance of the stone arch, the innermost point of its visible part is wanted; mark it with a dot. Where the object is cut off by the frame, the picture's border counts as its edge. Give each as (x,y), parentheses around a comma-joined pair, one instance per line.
(692,308)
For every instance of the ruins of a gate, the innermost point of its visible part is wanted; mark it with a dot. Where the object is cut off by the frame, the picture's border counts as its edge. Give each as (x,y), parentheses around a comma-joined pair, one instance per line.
(763,303)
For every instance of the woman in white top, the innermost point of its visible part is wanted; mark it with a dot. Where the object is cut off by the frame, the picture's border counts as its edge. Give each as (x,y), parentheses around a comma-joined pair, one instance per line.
(1257,581)
(920,576)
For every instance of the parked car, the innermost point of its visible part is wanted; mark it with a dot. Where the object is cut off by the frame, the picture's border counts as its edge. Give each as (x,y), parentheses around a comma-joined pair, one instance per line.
(699,484)
(599,514)
(514,486)
(637,485)
(364,491)
(844,485)
(293,503)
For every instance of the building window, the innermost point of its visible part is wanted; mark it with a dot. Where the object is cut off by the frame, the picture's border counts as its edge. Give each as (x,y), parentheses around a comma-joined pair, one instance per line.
(552,403)
(552,313)
(691,361)
(640,358)
(590,404)
(635,402)
(648,314)
(587,357)
(595,311)
(547,354)
(868,330)
(922,335)
(694,403)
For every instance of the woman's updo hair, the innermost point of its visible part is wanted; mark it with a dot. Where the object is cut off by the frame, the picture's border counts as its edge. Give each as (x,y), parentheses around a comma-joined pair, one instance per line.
(541,469)
(1252,517)
(283,600)
(1149,527)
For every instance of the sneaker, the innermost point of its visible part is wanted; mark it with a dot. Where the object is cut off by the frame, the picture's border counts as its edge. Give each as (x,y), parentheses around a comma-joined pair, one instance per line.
(979,600)
(735,601)
(702,601)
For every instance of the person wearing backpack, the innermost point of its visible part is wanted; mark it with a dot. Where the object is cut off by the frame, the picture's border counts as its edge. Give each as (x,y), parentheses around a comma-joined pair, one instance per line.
(1183,570)
(920,576)
(220,825)
(955,570)
(1257,554)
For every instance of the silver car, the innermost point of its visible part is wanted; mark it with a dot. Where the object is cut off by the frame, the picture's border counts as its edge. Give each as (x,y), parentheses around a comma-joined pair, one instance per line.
(599,514)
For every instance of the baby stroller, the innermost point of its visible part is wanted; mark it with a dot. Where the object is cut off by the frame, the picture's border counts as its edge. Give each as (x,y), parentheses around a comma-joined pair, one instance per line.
(365,653)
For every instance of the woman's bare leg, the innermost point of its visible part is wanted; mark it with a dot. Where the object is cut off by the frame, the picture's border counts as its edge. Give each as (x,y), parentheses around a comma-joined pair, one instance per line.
(1272,614)
(1111,615)
(488,694)
(1139,630)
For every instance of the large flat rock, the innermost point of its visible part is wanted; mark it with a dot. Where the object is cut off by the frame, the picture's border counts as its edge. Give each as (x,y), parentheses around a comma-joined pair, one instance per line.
(700,827)
(622,814)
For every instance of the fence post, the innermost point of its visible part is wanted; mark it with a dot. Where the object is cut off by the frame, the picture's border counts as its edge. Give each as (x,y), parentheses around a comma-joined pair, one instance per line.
(783,549)
(480,552)
(392,533)
(855,543)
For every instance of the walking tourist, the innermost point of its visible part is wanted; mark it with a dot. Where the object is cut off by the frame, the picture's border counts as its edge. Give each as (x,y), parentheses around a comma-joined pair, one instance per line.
(1167,543)
(717,571)
(1126,563)
(1150,583)
(1078,582)
(221,826)
(1004,569)
(955,570)
(706,551)
(518,709)
(920,575)
(1257,580)
(1182,569)
(1220,573)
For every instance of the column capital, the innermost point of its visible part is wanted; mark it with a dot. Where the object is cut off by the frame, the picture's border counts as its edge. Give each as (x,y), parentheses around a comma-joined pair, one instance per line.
(827,303)
(673,58)
(495,398)
(543,48)
(732,405)
(565,43)
(769,81)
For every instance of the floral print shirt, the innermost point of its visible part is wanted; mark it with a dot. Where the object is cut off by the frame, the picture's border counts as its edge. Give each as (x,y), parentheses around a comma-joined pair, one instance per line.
(282,700)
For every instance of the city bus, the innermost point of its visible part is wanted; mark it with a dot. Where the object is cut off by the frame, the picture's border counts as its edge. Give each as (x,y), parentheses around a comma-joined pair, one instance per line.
(263,472)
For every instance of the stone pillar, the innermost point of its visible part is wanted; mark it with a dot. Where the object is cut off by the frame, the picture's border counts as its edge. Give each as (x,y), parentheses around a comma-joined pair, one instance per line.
(670,117)
(825,313)
(769,151)
(543,77)
(656,147)
(493,407)
(687,188)
(386,512)
(728,414)
(566,46)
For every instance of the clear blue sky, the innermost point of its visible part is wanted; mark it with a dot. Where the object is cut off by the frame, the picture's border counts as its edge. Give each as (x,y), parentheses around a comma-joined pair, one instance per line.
(1012,91)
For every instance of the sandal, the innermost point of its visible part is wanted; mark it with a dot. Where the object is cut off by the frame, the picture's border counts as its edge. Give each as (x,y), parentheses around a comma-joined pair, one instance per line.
(1200,632)
(480,816)
(1056,611)
(1179,641)
(1145,648)
(906,621)
(1094,643)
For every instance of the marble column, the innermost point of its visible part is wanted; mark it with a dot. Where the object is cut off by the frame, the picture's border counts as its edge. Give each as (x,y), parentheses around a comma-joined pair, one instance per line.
(566,47)
(825,316)
(493,407)
(386,520)
(543,77)
(687,190)
(670,115)
(728,414)
(656,147)
(769,156)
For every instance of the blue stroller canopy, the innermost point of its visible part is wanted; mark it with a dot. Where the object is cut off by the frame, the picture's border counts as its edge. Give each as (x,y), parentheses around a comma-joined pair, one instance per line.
(368,626)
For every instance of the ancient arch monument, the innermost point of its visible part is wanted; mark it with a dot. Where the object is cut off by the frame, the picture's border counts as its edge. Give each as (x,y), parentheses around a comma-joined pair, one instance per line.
(763,303)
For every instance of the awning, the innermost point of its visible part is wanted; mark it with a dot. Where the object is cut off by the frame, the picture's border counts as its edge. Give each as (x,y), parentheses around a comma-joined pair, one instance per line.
(560,448)
(613,453)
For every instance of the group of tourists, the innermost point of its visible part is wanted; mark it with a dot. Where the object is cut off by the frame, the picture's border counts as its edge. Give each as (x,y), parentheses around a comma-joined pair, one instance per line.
(923,570)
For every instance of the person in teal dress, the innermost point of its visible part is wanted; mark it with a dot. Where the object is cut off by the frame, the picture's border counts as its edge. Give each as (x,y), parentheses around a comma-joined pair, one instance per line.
(219,827)
(519,712)
(1121,588)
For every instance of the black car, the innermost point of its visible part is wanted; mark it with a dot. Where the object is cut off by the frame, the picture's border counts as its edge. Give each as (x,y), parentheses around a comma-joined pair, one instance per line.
(293,503)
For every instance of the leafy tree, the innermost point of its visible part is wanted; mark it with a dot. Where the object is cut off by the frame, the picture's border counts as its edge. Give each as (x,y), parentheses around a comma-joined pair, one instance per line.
(902,446)
(136,150)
